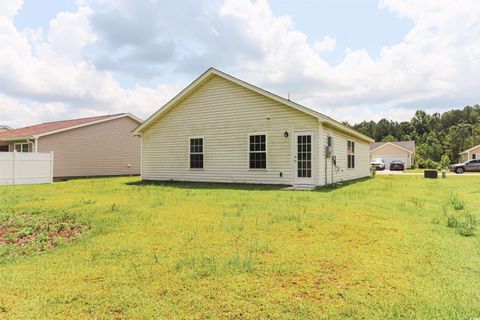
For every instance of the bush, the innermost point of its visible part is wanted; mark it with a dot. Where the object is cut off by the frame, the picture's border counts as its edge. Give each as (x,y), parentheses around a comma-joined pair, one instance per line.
(468,227)
(445,162)
(430,164)
(456,202)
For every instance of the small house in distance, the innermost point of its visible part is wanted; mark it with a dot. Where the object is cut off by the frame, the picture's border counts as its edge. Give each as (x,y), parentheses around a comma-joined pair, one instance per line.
(4,127)
(470,154)
(390,151)
(222,129)
(94,146)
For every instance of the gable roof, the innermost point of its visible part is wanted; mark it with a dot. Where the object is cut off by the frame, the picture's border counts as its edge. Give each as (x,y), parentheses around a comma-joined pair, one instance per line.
(4,127)
(47,128)
(405,145)
(214,72)
(468,150)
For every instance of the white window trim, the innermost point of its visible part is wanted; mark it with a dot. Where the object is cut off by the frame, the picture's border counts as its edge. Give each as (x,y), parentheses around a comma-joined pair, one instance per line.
(189,153)
(20,143)
(353,153)
(248,151)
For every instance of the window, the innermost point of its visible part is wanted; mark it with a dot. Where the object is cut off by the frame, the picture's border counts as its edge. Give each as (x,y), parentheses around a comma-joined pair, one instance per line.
(351,154)
(4,148)
(258,151)
(21,147)
(474,156)
(196,153)
(329,141)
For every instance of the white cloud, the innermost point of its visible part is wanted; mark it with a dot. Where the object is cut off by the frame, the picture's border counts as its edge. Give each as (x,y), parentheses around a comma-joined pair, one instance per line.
(9,8)
(327,44)
(49,73)
(44,75)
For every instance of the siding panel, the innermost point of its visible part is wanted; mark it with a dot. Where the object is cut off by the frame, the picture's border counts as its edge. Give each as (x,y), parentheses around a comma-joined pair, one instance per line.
(100,149)
(224,114)
(341,172)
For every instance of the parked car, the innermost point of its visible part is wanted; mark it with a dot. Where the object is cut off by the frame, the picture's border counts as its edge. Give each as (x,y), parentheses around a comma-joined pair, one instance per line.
(397,165)
(378,163)
(472,165)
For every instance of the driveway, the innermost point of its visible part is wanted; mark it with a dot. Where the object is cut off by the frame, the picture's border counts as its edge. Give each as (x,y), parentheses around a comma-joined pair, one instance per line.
(386,171)
(450,174)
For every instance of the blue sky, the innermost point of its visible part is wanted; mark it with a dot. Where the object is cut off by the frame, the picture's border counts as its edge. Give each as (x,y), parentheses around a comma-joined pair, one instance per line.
(353,60)
(373,27)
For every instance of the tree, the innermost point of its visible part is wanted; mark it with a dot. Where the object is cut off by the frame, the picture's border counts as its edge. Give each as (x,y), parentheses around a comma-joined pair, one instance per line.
(459,138)
(445,161)
(434,135)
(389,138)
(431,149)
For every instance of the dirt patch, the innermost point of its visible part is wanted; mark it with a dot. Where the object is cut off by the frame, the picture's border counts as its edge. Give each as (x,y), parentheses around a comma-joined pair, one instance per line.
(25,234)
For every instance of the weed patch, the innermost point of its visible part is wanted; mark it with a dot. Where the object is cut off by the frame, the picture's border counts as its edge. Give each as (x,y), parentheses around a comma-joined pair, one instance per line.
(456,202)
(29,233)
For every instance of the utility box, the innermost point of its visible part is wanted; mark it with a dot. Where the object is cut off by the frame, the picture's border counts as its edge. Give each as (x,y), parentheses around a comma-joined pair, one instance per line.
(430,174)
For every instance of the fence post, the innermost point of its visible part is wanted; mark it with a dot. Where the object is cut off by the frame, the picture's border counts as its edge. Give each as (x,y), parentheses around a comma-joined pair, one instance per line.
(51,166)
(13,166)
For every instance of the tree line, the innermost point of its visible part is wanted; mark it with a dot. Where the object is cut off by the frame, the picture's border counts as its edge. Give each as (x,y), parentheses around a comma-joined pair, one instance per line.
(436,135)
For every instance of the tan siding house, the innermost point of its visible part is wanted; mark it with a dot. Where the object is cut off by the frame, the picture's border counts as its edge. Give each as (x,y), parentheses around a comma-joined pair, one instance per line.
(221,129)
(4,128)
(390,151)
(470,154)
(96,146)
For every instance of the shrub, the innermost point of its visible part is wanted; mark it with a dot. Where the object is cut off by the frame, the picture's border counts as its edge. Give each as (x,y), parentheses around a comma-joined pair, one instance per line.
(452,221)
(456,202)
(444,162)
(468,227)
(430,164)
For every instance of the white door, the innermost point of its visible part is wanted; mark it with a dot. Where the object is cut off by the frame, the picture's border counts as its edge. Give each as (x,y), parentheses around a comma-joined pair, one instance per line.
(303,158)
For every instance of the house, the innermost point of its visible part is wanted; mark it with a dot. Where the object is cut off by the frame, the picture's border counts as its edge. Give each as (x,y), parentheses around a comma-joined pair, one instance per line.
(4,127)
(398,150)
(222,129)
(94,146)
(470,154)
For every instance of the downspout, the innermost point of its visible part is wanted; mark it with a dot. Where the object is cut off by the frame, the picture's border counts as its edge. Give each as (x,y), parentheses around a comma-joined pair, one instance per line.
(33,143)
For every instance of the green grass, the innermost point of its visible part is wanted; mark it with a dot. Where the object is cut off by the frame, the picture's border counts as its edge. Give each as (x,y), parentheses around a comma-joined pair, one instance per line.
(380,248)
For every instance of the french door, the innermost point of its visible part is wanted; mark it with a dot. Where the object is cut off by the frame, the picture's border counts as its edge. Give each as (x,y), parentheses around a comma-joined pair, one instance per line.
(303,158)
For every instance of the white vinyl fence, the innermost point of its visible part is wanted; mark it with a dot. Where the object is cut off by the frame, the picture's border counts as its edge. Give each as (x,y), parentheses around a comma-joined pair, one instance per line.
(25,168)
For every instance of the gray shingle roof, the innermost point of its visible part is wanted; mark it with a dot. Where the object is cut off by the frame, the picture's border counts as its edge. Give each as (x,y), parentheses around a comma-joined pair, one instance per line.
(409,145)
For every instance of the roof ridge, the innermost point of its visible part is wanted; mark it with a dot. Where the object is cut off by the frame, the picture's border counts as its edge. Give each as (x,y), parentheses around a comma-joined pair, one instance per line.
(75,119)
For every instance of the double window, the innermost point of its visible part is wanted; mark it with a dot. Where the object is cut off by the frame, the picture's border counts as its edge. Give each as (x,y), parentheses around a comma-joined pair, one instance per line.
(21,147)
(257,154)
(196,153)
(351,154)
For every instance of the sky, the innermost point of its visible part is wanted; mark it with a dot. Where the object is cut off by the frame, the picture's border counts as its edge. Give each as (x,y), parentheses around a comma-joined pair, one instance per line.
(352,60)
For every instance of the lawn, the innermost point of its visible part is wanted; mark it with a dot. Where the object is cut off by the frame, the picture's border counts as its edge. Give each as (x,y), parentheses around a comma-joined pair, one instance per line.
(388,247)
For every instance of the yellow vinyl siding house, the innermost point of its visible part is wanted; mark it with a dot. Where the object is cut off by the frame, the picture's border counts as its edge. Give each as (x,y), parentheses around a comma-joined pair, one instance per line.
(221,129)
(470,154)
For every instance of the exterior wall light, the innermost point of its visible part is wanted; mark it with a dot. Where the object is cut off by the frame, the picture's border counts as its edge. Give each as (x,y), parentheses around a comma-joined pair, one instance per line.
(285,134)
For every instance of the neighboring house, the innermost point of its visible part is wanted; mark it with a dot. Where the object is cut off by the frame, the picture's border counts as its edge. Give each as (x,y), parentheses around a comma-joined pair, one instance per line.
(95,146)
(4,128)
(470,154)
(398,150)
(222,129)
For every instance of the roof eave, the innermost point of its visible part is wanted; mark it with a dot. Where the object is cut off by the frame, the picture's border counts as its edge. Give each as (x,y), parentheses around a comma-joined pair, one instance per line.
(10,139)
(129,115)
(393,144)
